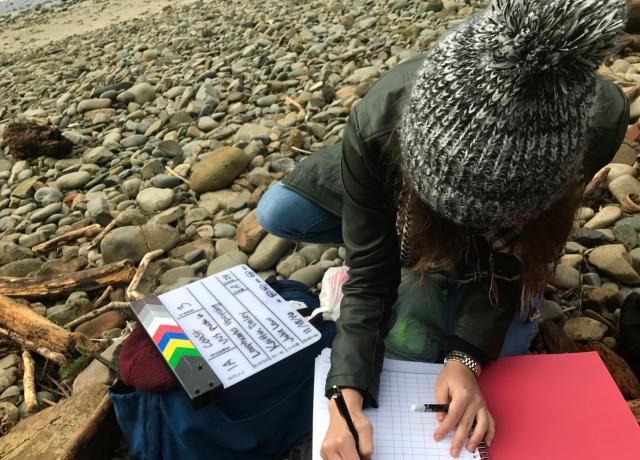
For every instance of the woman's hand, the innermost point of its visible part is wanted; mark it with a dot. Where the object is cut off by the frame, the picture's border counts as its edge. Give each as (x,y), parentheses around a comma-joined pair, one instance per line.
(458,385)
(338,443)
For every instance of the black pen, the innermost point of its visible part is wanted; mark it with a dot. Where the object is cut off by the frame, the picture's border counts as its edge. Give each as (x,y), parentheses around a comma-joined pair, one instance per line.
(336,395)
(430,408)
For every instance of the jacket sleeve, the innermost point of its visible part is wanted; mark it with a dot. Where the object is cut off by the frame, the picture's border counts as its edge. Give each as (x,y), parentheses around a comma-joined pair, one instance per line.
(368,230)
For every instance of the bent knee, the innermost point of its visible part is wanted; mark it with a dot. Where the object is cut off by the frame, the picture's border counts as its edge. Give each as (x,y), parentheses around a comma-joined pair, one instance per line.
(271,214)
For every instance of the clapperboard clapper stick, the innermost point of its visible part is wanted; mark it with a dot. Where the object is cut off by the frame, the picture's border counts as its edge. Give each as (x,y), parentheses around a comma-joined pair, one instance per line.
(223,329)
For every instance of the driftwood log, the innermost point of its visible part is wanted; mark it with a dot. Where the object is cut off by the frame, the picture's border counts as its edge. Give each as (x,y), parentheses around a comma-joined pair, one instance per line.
(30,140)
(20,320)
(64,430)
(83,442)
(57,285)
(54,356)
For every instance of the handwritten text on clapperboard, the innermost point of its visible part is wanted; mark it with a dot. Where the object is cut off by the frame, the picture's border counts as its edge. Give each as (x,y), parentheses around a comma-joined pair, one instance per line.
(238,323)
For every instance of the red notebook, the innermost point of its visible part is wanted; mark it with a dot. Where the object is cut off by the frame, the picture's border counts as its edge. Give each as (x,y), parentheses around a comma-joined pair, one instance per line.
(558,407)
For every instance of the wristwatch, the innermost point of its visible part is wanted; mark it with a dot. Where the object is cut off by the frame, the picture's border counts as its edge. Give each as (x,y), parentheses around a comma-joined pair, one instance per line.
(465,359)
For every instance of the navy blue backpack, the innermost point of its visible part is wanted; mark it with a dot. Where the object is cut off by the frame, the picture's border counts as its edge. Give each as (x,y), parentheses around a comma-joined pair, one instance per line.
(261,418)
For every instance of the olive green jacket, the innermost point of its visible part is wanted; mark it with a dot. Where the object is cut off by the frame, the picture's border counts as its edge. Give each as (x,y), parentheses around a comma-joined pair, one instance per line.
(357,180)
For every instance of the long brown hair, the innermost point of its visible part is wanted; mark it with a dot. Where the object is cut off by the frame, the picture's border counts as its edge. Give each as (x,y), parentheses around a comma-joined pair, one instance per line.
(437,242)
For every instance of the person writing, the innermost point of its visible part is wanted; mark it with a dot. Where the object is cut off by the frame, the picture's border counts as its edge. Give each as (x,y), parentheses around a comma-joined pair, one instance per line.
(470,157)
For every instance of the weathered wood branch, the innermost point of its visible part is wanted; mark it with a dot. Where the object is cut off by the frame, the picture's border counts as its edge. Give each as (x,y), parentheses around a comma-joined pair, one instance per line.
(90,429)
(96,241)
(57,358)
(132,293)
(596,182)
(34,331)
(29,382)
(70,236)
(86,280)
(103,297)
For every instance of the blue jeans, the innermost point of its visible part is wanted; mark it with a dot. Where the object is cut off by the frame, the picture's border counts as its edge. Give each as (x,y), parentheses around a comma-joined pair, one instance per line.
(285,213)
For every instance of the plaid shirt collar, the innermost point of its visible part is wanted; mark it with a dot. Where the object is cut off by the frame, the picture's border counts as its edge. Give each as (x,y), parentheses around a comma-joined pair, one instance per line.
(502,239)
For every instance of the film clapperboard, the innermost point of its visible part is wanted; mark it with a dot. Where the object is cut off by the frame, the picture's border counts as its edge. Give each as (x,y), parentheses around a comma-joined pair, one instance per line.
(218,331)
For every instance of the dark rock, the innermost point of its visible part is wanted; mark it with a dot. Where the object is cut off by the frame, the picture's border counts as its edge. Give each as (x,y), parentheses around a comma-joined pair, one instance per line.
(589,238)
(626,235)
(21,267)
(10,252)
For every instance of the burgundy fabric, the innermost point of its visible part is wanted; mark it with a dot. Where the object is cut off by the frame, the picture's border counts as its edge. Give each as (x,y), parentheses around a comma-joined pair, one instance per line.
(142,366)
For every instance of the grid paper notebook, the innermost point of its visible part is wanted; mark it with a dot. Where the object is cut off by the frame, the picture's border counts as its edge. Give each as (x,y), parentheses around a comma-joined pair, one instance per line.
(399,433)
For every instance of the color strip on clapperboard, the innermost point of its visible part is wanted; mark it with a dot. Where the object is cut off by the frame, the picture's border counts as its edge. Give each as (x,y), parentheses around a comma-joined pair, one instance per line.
(192,371)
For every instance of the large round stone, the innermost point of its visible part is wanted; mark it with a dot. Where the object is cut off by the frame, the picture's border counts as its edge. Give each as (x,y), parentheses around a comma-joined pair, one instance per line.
(154,199)
(218,169)
(133,242)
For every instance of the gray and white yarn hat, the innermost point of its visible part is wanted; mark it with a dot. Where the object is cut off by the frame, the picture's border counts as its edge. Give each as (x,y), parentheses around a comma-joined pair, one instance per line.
(496,121)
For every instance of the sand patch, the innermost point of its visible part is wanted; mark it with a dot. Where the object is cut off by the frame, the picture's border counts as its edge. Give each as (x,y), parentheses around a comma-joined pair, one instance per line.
(38,28)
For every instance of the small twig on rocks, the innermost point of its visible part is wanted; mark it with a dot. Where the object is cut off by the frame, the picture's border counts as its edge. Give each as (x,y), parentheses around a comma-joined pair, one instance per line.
(296,149)
(64,390)
(98,357)
(95,313)
(53,390)
(96,241)
(131,292)
(175,174)
(596,182)
(29,345)
(103,296)
(29,382)
(89,230)
(46,401)
(294,103)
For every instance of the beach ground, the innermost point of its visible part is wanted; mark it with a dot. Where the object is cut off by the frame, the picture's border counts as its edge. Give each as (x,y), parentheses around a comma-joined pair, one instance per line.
(40,27)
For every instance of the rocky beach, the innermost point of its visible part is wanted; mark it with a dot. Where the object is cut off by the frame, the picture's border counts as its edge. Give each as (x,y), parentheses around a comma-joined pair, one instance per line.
(130,128)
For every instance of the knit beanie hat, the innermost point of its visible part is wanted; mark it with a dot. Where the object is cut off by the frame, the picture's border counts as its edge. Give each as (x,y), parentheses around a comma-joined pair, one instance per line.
(495,125)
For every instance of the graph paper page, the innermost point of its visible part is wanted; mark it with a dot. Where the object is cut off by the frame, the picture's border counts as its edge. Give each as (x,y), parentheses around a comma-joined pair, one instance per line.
(399,433)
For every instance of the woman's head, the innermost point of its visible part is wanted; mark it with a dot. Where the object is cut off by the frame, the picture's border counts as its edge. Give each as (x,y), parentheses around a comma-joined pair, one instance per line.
(438,242)
(494,130)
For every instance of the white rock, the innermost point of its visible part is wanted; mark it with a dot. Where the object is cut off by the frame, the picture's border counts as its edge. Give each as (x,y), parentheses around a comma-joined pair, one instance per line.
(155,199)
(605,218)
(624,185)
(585,214)
(142,93)
(572,260)
(614,260)
(618,170)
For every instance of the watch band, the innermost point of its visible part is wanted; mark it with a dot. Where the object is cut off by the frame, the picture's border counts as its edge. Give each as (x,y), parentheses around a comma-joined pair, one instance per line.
(465,359)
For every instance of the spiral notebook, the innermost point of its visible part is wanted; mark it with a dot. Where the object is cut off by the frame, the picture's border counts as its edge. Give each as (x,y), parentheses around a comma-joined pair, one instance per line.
(546,407)
(399,433)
